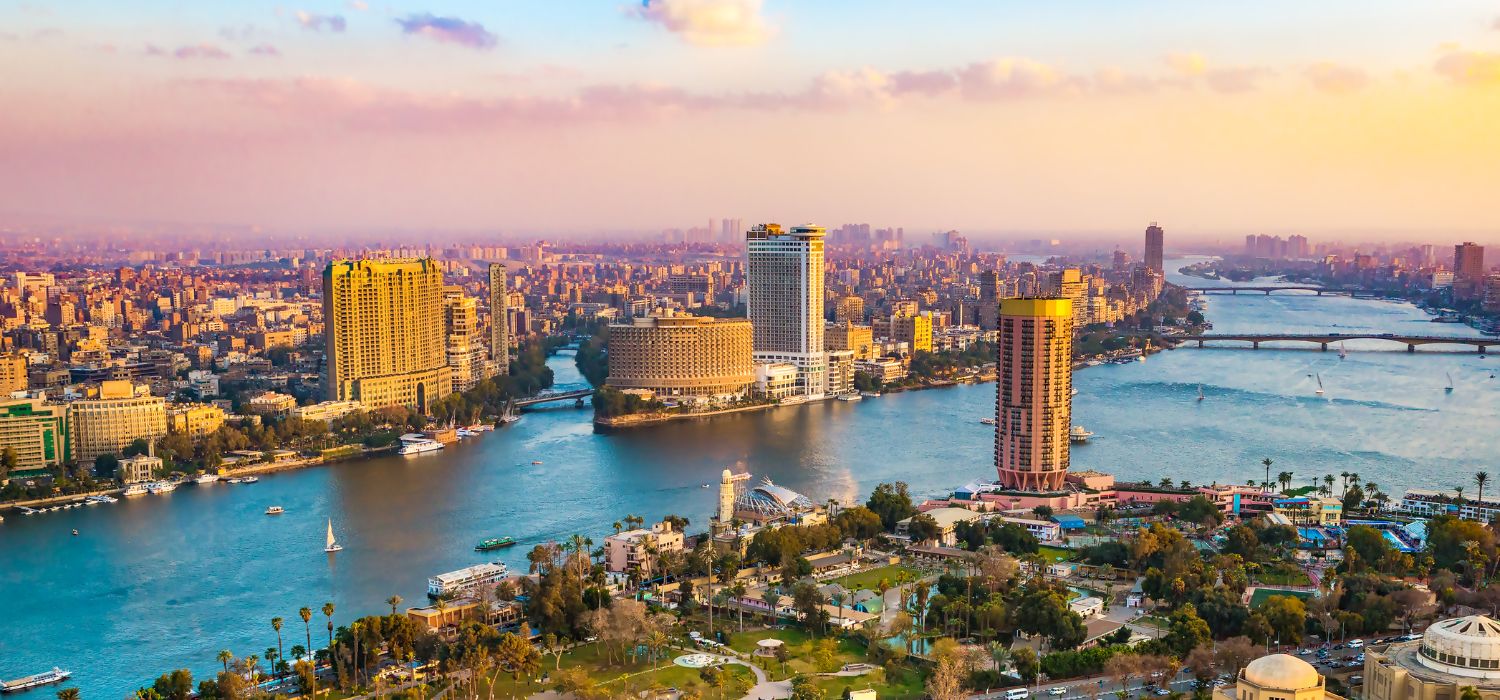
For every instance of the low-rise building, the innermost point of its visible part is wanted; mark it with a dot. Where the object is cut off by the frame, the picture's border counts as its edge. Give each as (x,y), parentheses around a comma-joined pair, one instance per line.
(1279,677)
(271,403)
(138,469)
(640,549)
(195,420)
(775,380)
(327,411)
(885,370)
(1310,510)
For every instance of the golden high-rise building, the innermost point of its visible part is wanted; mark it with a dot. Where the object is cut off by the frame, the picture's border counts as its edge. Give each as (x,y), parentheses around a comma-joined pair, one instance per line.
(1034,394)
(462,338)
(383,325)
(12,374)
(681,355)
(914,330)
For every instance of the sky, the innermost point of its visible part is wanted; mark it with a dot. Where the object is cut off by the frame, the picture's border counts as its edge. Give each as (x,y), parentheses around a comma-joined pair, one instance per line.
(593,115)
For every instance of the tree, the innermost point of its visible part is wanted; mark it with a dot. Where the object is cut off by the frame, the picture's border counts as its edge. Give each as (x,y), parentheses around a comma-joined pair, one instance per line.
(923,528)
(393,601)
(1480,479)
(803,688)
(1186,631)
(1287,617)
(176,685)
(1241,540)
(306,614)
(859,523)
(892,502)
(67,694)
(1267,463)
(1025,663)
(225,656)
(106,466)
(276,625)
(947,680)
(328,613)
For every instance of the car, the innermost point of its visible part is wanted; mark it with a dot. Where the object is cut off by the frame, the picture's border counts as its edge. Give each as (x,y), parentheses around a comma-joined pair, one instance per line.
(1160,692)
(1356,643)
(1353,664)
(1059,690)
(1356,680)
(1304,652)
(1220,683)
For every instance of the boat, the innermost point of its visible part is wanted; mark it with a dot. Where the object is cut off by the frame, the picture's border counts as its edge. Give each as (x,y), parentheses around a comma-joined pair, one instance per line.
(333,544)
(75,532)
(159,487)
(206,479)
(793,400)
(509,415)
(1079,435)
(250,480)
(56,675)
(494,543)
(1449,388)
(851,397)
(135,490)
(235,480)
(466,579)
(536,461)
(987,421)
(1342,352)
(1075,391)
(275,510)
(96,500)
(465,433)
(1319,390)
(418,446)
(1200,392)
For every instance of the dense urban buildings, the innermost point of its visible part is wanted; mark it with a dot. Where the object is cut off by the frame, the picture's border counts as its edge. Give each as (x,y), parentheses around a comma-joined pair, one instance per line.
(385,333)
(784,300)
(682,357)
(1033,404)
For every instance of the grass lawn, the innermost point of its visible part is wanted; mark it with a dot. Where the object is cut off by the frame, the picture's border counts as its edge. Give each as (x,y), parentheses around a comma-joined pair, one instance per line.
(1261,594)
(627,678)
(1293,577)
(907,686)
(869,579)
(800,649)
(1056,554)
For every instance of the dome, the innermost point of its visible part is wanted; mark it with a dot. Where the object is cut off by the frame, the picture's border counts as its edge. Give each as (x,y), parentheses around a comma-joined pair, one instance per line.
(1464,646)
(1282,672)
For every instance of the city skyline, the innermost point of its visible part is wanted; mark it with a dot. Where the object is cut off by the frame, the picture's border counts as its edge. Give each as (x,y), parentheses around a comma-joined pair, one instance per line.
(347,116)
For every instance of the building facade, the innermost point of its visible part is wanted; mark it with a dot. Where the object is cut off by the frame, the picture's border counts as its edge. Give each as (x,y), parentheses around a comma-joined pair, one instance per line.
(195,420)
(1278,677)
(499,320)
(1034,402)
(847,336)
(13,376)
(462,341)
(122,414)
(1451,655)
(640,550)
(384,331)
(1155,244)
(678,355)
(784,300)
(37,432)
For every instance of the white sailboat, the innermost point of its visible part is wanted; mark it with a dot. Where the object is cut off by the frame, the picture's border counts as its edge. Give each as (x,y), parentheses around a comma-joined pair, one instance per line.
(1320,384)
(1342,352)
(333,544)
(1449,388)
(1200,392)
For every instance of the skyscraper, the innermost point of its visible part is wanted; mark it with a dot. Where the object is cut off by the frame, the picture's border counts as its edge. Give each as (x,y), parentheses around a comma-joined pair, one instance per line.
(989,300)
(784,285)
(463,341)
(384,333)
(1034,394)
(1468,261)
(1155,240)
(499,320)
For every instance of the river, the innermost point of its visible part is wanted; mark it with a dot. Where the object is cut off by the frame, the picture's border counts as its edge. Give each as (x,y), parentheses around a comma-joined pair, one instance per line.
(166,581)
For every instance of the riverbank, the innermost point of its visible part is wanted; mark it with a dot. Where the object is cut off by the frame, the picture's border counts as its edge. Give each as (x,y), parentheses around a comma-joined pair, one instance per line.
(639,420)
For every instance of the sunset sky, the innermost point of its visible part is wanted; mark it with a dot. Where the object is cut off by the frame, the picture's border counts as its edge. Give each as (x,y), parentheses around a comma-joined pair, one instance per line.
(584,116)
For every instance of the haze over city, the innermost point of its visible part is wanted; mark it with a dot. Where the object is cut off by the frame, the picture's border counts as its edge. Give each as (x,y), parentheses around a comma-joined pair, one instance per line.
(1371,120)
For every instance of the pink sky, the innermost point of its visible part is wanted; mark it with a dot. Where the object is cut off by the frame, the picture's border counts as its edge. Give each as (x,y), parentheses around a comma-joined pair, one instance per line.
(592,116)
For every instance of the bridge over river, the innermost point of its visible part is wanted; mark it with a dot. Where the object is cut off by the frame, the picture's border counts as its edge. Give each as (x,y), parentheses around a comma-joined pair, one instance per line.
(574,395)
(1480,344)
(1345,291)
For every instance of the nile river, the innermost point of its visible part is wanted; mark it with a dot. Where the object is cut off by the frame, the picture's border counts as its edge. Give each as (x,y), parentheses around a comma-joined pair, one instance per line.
(166,581)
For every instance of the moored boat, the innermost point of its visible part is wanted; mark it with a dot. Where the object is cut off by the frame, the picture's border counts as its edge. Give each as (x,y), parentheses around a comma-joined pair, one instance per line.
(494,543)
(851,397)
(56,675)
(465,579)
(418,446)
(206,479)
(135,490)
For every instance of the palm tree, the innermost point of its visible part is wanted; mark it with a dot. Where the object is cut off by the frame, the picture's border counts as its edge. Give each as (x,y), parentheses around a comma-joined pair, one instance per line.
(1345,476)
(1001,654)
(393,601)
(1285,478)
(771,597)
(838,599)
(1481,478)
(1458,494)
(225,656)
(251,662)
(72,694)
(306,614)
(1267,462)
(1328,483)
(738,591)
(276,625)
(655,642)
(617,527)
(328,612)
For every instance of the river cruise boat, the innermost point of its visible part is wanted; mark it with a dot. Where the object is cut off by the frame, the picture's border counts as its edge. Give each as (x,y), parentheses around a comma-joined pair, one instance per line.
(1079,435)
(135,490)
(851,397)
(494,543)
(101,499)
(416,447)
(56,675)
(158,487)
(465,580)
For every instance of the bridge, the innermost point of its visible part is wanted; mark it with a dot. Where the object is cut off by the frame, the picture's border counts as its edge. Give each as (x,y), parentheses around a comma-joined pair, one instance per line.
(575,395)
(1480,344)
(1350,291)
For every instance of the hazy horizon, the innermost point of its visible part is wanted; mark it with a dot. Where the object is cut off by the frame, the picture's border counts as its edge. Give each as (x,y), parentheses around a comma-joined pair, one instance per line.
(1369,121)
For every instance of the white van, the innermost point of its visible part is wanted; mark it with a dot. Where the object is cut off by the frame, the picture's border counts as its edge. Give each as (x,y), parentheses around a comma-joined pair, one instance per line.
(1356,643)
(1017,694)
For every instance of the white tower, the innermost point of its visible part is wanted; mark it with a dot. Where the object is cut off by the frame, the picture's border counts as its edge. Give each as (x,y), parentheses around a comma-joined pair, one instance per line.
(784,285)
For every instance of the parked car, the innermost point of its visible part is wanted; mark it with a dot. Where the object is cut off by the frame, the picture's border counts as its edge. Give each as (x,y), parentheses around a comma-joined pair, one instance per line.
(1059,690)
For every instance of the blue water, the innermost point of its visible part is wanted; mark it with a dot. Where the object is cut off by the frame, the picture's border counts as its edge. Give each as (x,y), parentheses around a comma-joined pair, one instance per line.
(166,581)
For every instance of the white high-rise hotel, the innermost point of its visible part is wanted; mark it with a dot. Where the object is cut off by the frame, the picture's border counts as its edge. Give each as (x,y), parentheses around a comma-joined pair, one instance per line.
(784,281)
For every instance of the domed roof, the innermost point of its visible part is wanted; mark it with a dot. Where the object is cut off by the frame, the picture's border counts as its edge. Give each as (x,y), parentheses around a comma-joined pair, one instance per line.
(1465,646)
(1282,672)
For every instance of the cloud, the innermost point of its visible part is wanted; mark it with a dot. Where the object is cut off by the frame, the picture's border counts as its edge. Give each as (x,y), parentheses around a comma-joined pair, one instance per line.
(449,30)
(317,22)
(1466,67)
(1188,64)
(1335,78)
(203,50)
(932,82)
(359,5)
(1008,78)
(1192,68)
(709,22)
(264,50)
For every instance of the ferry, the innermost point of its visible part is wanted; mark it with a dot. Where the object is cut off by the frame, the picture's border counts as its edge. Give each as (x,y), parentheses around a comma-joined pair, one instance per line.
(159,487)
(1079,435)
(250,480)
(206,479)
(466,433)
(275,510)
(870,394)
(416,447)
(135,490)
(987,421)
(494,543)
(56,675)
(851,397)
(465,580)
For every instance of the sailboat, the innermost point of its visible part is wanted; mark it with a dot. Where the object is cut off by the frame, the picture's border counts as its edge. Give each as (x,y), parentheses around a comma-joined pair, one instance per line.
(509,414)
(1449,388)
(1342,352)
(1200,392)
(1320,384)
(333,544)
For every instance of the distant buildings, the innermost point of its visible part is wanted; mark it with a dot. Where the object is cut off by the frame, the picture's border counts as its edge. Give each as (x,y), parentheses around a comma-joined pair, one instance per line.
(1033,403)
(271,403)
(138,468)
(122,414)
(194,420)
(385,333)
(682,357)
(1154,245)
(784,285)
(1468,271)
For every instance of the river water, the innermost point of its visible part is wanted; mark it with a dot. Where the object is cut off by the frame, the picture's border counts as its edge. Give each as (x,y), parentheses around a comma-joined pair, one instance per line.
(167,581)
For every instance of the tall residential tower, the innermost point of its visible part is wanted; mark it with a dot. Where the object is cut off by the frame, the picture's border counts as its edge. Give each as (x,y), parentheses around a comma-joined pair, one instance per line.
(784,281)
(1155,240)
(1034,394)
(499,320)
(384,333)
